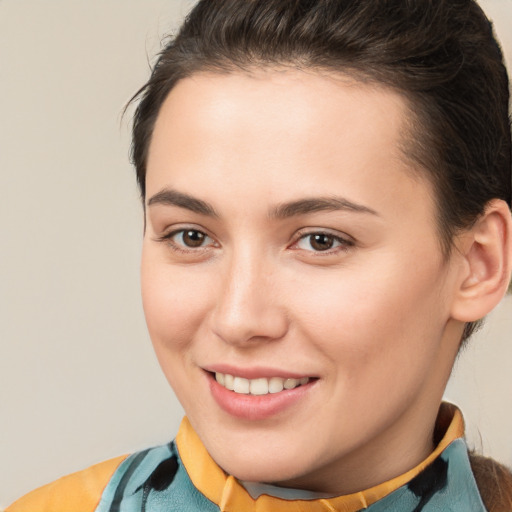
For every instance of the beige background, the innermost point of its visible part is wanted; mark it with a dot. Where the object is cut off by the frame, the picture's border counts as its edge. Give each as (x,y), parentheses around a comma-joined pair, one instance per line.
(78,379)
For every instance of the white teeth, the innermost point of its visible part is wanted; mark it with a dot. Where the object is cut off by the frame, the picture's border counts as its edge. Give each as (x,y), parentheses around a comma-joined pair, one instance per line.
(261,386)
(229,382)
(275,385)
(241,385)
(290,383)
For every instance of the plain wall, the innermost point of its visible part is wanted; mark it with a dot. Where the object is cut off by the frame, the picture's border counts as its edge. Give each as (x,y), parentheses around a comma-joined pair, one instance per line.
(78,379)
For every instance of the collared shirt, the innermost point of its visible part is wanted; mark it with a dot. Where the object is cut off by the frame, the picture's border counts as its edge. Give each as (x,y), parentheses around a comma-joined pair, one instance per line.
(182,476)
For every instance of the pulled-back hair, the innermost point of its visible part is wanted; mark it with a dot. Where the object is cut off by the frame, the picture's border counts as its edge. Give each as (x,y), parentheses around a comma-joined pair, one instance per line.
(440,55)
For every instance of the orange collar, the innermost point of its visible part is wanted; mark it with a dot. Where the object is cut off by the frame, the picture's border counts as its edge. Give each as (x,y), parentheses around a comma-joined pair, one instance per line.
(225,490)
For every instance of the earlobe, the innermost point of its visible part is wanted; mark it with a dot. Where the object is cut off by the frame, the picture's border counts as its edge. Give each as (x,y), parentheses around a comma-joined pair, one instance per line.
(486,249)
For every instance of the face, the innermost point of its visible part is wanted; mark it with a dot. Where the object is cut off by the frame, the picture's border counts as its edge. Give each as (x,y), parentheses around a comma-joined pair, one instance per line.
(292,277)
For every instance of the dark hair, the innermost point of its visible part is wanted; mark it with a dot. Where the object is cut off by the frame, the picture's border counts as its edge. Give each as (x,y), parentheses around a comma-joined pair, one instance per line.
(441,55)
(494,482)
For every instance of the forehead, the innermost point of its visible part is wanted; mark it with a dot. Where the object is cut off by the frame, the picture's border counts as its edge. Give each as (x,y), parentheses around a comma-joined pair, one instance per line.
(278,132)
(252,108)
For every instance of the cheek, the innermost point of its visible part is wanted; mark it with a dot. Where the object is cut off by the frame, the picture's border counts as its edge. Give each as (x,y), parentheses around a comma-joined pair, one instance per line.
(375,321)
(175,305)
(173,302)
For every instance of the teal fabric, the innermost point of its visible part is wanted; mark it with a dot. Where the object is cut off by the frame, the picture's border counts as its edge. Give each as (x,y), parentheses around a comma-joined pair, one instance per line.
(447,485)
(155,480)
(135,488)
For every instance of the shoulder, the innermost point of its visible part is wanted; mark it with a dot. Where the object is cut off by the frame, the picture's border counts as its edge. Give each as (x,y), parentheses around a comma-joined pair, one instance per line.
(80,491)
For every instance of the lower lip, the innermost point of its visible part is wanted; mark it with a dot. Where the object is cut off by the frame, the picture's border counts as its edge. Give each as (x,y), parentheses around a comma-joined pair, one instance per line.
(256,407)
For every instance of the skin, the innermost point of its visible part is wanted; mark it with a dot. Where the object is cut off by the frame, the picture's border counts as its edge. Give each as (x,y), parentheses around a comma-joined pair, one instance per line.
(370,318)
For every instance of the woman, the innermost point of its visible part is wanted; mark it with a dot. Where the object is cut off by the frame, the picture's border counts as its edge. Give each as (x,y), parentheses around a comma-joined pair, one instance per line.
(327,190)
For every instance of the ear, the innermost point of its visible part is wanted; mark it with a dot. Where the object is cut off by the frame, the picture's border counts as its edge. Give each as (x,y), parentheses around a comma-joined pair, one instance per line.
(486,252)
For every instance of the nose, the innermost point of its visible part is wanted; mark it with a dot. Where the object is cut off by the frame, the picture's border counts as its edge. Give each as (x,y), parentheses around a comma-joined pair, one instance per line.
(249,308)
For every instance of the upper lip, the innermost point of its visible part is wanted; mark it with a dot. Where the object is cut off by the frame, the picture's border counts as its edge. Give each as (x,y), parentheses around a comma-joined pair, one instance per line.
(254,372)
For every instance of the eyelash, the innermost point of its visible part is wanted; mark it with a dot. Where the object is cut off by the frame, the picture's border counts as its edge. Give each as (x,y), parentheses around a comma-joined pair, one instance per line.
(168,238)
(344,243)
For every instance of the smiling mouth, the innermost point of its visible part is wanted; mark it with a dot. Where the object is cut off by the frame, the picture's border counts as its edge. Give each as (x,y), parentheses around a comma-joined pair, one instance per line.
(258,387)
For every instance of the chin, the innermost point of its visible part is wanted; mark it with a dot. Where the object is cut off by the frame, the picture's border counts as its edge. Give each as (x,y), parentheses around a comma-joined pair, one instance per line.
(270,469)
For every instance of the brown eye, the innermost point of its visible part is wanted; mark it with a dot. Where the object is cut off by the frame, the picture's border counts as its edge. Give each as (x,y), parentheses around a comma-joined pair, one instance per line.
(321,241)
(193,238)
(189,239)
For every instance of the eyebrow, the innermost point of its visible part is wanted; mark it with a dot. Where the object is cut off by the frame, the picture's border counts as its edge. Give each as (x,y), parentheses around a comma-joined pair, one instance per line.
(304,206)
(174,198)
(318,204)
